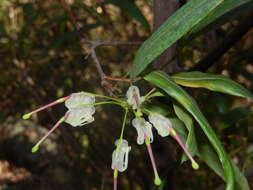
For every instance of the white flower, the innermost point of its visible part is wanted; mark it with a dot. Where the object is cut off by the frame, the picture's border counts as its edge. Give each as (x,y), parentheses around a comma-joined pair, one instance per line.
(80,116)
(164,127)
(144,129)
(79,113)
(120,155)
(78,99)
(161,123)
(133,97)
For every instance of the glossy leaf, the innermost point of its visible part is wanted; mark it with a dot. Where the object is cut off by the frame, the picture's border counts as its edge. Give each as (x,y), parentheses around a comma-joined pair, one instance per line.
(191,143)
(178,125)
(208,155)
(165,110)
(158,107)
(163,81)
(131,9)
(218,83)
(172,30)
(226,11)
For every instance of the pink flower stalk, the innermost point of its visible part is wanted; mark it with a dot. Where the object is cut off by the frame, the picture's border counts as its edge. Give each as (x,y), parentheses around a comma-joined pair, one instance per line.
(80,111)
(157,180)
(144,131)
(28,115)
(179,141)
(115,179)
(164,128)
(36,147)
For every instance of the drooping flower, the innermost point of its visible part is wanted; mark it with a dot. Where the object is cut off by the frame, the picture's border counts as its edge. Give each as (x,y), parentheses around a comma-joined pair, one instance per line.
(80,108)
(119,159)
(159,122)
(79,99)
(120,155)
(133,97)
(164,128)
(80,112)
(80,116)
(143,128)
(144,132)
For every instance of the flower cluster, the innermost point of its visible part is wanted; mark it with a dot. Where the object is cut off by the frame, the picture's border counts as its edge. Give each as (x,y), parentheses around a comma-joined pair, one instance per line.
(80,112)
(145,134)
(81,108)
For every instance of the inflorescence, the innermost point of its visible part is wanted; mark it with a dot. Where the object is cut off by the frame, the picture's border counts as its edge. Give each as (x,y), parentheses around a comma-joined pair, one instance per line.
(81,108)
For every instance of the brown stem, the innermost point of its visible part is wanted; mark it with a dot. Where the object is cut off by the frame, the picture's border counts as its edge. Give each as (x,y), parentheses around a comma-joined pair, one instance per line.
(163,9)
(93,44)
(122,79)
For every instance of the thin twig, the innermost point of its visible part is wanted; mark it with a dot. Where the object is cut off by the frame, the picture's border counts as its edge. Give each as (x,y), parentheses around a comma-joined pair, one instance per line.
(96,43)
(104,83)
(93,44)
(123,79)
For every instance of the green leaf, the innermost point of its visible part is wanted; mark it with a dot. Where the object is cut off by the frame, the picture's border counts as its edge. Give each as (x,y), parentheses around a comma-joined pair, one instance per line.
(207,154)
(218,83)
(172,30)
(157,107)
(163,81)
(179,126)
(132,10)
(226,11)
(191,143)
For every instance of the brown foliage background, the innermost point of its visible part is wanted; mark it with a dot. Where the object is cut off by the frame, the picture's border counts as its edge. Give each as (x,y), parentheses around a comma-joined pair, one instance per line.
(42,58)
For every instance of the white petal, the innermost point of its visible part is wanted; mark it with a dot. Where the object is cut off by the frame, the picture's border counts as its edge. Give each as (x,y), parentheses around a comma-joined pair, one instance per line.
(148,131)
(161,124)
(143,129)
(80,115)
(120,156)
(133,97)
(78,99)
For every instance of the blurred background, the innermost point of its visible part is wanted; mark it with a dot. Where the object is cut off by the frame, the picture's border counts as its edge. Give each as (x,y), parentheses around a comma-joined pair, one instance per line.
(42,58)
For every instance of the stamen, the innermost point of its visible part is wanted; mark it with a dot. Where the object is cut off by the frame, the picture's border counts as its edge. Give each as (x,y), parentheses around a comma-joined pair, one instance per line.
(28,115)
(157,180)
(136,99)
(115,179)
(177,138)
(36,147)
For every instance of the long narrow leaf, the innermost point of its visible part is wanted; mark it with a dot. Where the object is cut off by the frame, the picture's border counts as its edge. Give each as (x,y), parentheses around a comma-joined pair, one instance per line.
(207,154)
(218,83)
(173,29)
(225,12)
(163,81)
